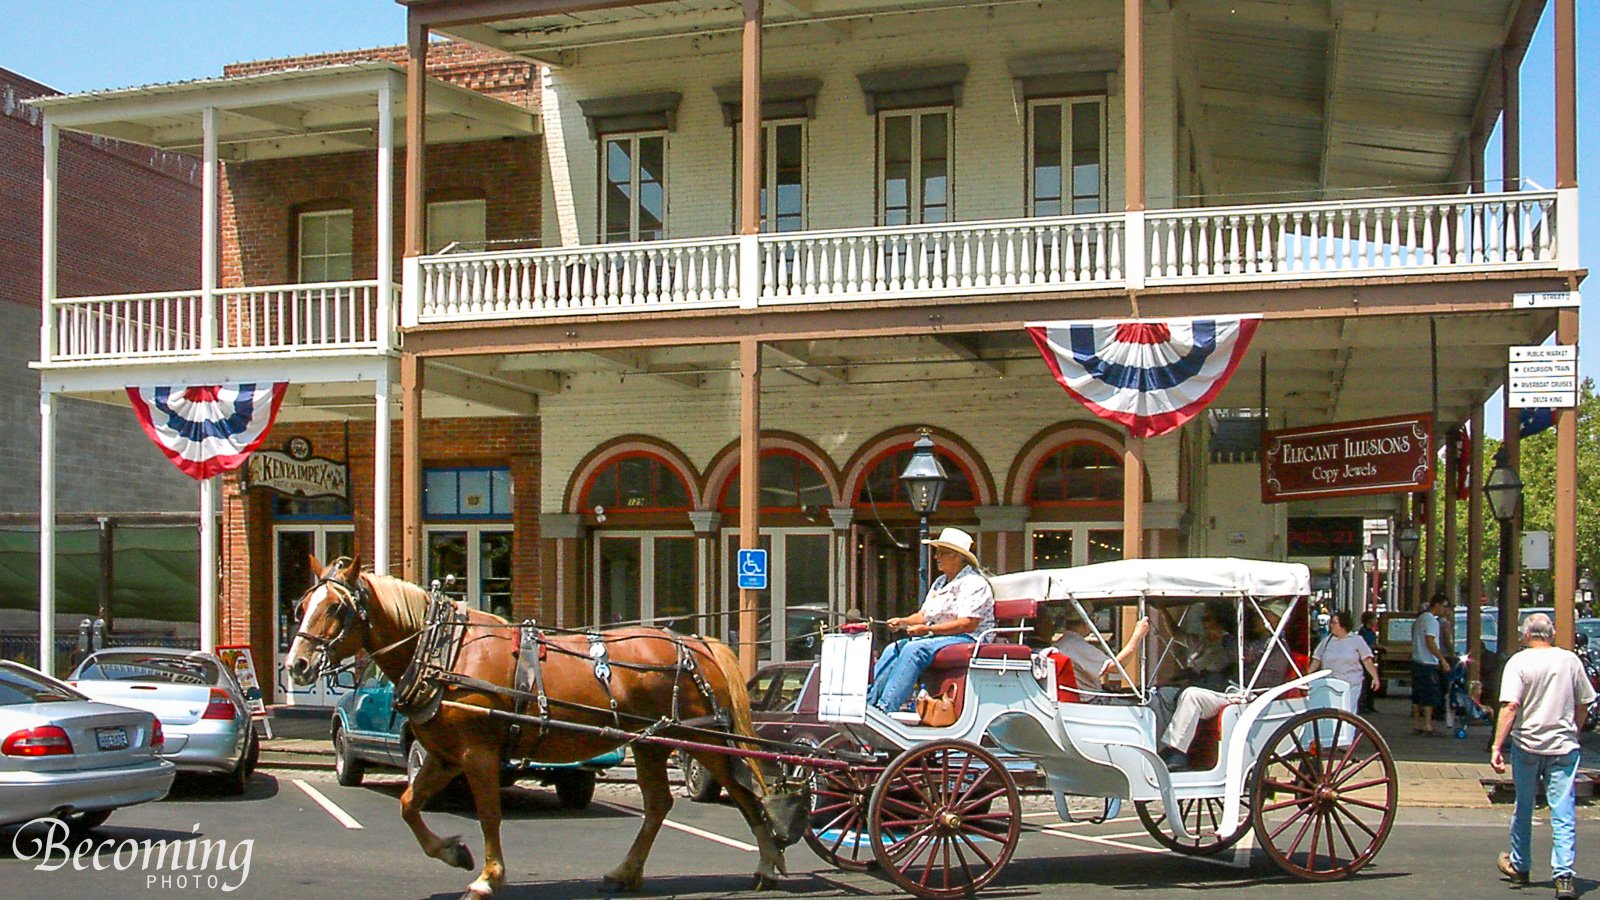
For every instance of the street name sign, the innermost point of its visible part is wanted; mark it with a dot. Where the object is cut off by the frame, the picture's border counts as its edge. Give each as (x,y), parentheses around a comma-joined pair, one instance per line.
(1546,299)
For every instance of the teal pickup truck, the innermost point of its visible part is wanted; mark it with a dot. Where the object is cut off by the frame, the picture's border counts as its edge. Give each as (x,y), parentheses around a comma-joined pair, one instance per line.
(367,731)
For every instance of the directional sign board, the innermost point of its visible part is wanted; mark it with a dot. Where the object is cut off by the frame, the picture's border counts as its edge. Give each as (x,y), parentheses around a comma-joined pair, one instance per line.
(1546,299)
(1543,377)
(753,570)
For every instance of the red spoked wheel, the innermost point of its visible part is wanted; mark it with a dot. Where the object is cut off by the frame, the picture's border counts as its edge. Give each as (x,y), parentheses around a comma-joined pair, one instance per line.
(1324,795)
(1202,816)
(837,831)
(944,819)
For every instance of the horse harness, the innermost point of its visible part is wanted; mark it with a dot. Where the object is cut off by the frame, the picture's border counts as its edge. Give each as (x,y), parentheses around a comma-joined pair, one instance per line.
(351,607)
(419,690)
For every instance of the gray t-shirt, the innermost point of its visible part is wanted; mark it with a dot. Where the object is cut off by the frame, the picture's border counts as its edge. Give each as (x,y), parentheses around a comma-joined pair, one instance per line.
(1547,683)
(1088,660)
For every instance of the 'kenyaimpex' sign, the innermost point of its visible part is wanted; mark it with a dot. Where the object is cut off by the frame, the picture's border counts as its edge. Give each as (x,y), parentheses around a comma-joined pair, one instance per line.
(294,472)
(1375,456)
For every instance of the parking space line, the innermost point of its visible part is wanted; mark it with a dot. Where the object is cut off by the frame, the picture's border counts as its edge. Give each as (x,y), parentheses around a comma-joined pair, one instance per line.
(332,808)
(686,829)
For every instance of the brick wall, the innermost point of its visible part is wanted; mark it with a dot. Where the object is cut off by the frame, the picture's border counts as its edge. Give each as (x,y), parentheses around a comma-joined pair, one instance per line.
(248,602)
(495,74)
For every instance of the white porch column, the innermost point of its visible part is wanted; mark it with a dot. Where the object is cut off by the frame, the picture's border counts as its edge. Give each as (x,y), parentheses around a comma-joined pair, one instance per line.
(47,242)
(380,474)
(385,299)
(47,531)
(208,565)
(841,517)
(208,235)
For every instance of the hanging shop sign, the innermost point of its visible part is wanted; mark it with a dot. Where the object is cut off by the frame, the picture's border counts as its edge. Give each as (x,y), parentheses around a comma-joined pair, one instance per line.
(1392,455)
(294,472)
(1326,536)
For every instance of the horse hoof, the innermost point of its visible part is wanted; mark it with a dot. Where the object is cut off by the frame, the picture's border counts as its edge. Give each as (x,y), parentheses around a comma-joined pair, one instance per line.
(764,883)
(454,853)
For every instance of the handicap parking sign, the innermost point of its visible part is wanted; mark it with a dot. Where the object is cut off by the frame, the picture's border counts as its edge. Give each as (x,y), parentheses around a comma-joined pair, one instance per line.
(753,570)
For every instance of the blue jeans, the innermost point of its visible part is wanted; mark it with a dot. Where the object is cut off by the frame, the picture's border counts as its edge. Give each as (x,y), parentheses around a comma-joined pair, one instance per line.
(1526,770)
(901,663)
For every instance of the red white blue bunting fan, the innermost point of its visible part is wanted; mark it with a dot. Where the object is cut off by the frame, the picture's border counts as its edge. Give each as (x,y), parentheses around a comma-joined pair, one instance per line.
(207,430)
(1151,375)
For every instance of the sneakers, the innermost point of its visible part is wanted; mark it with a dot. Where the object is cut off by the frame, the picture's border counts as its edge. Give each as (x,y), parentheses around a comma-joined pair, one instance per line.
(1566,887)
(1512,875)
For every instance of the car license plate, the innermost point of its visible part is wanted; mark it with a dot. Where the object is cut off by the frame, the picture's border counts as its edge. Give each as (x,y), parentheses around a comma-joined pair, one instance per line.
(111,738)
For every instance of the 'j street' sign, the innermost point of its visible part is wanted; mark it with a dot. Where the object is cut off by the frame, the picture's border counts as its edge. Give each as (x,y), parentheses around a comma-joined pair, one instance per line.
(1374,456)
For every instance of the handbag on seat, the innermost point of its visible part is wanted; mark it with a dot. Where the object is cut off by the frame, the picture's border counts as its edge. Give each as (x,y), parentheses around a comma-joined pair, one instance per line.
(938,710)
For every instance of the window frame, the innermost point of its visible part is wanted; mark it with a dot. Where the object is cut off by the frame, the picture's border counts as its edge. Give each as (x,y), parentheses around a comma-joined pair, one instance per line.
(434,206)
(1034,502)
(769,173)
(916,209)
(467,517)
(1066,104)
(300,254)
(633,139)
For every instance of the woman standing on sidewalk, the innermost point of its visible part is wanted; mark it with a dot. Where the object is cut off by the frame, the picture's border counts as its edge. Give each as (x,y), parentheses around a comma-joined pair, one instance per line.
(1345,654)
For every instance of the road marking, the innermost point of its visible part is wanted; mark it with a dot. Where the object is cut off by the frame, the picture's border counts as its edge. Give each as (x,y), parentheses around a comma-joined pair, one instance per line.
(686,829)
(1241,854)
(332,808)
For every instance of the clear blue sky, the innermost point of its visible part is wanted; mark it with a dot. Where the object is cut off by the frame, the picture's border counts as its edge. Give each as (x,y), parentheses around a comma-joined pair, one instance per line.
(81,45)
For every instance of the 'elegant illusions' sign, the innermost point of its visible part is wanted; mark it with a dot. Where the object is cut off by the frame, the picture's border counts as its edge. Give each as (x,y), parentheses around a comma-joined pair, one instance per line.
(1374,456)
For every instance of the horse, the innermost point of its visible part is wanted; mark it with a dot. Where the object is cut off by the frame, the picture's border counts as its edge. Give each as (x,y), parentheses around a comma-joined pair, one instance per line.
(347,610)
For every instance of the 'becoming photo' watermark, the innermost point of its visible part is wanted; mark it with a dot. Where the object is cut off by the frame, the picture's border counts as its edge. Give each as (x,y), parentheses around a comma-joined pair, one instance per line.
(191,863)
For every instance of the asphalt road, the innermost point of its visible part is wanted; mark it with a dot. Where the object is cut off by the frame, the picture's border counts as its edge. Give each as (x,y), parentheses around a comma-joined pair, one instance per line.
(301,849)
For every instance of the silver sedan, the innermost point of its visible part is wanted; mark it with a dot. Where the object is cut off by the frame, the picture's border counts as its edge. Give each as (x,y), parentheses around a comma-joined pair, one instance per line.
(64,755)
(194,695)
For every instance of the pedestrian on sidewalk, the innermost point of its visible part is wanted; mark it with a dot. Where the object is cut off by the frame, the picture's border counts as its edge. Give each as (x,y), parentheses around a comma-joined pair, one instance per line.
(1428,666)
(1369,633)
(1544,696)
(1345,654)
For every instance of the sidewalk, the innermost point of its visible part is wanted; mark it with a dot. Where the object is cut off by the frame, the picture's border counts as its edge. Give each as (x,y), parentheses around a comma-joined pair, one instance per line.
(1439,772)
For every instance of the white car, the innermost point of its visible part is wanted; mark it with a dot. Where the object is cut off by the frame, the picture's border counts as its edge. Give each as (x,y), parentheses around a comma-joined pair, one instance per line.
(200,705)
(65,755)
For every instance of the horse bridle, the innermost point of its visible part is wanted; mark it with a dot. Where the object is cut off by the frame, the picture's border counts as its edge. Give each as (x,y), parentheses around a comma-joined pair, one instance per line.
(351,607)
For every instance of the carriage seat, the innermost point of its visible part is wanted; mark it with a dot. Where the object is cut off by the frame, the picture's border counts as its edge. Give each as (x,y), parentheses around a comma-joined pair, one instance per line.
(949,665)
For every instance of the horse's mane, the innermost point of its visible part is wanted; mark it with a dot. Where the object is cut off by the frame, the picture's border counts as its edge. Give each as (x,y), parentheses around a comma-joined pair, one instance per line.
(403,602)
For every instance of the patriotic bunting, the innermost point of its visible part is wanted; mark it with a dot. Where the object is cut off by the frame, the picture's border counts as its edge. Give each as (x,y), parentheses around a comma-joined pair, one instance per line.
(1151,375)
(207,430)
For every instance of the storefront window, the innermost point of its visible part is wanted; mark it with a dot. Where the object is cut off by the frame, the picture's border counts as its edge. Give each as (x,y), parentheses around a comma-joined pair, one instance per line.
(1080,472)
(637,483)
(788,482)
(466,493)
(882,484)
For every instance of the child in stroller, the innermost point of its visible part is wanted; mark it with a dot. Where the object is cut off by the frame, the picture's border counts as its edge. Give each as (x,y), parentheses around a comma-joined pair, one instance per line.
(1460,706)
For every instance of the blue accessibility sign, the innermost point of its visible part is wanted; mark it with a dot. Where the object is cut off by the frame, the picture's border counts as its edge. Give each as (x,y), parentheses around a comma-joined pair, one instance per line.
(753,570)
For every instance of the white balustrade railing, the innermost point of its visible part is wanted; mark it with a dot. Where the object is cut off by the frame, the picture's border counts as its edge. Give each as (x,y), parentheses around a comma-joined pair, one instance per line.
(342,315)
(606,278)
(1476,232)
(928,260)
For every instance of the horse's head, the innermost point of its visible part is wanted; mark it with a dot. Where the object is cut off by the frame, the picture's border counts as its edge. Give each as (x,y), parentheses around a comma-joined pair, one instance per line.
(332,616)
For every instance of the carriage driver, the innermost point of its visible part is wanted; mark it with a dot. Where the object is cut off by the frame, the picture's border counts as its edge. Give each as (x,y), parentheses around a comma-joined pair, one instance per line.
(959,608)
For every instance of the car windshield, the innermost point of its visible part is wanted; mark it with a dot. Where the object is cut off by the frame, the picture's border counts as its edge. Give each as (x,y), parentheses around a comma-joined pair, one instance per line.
(1589,628)
(19,687)
(161,668)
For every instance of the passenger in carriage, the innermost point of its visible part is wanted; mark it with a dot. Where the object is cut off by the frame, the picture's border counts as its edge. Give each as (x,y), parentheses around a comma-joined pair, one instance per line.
(1196,703)
(1090,661)
(958,609)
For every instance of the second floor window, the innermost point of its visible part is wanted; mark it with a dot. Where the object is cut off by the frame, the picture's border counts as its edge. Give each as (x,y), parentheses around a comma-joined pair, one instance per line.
(914,167)
(456,222)
(634,205)
(1066,157)
(783,176)
(324,244)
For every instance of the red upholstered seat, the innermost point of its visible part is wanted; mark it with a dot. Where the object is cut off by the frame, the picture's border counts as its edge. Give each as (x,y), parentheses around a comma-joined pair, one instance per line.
(1066,679)
(950,664)
(958,655)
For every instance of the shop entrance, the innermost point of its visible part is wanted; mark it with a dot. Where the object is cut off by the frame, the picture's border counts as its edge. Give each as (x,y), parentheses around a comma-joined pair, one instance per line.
(646,576)
(472,563)
(293,545)
(799,597)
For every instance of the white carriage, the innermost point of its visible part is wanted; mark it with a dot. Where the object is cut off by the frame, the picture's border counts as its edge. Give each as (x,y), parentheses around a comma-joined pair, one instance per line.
(940,814)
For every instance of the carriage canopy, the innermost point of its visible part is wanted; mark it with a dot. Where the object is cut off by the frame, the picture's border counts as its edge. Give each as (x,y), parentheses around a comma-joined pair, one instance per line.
(1157,579)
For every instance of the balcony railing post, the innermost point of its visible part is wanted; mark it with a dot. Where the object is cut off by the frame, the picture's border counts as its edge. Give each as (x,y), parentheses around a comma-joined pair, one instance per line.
(749,269)
(1134,244)
(1567,229)
(410,291)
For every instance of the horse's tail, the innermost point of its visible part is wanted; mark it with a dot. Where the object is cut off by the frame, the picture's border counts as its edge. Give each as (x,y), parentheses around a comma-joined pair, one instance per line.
(738,697)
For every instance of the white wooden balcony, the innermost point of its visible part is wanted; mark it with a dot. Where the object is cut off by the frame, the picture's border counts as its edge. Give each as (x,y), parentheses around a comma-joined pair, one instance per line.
(1211,245)
(342,317)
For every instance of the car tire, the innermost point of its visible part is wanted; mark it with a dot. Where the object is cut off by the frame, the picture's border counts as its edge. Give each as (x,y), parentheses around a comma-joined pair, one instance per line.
(236,782)
(347,769)
(85,820)
(575,788)
(698,783)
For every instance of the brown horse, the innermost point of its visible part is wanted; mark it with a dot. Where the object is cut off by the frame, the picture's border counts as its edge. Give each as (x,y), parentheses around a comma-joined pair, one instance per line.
(348,610)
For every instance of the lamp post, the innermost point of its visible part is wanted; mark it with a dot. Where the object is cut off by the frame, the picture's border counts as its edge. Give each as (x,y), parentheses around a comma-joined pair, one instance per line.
(1503,490)
(924,480)
(1407,539)
(1369,564)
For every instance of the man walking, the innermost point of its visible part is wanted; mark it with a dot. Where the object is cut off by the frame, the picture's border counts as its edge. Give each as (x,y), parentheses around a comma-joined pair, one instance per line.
(1428,666)
(1543,698)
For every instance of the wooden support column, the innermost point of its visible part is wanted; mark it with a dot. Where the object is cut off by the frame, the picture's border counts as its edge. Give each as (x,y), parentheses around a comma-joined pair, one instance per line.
(416,139)
(411,377)
(1511,124)
(1133,536)
(1475,546)
(1566,524)
(749,491)
(1133,163)
(750,134)
(1451,579)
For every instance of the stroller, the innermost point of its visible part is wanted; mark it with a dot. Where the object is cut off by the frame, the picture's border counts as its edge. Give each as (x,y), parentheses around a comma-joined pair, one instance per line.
(1460,706)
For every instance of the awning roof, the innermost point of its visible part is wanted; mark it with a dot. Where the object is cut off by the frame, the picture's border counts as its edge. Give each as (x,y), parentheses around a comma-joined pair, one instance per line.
(298,112)
(1158,578)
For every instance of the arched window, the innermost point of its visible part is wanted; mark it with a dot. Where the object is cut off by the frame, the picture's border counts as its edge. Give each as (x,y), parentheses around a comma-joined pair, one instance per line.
(789,481)
(882,485)
(1078,473)
(637,482)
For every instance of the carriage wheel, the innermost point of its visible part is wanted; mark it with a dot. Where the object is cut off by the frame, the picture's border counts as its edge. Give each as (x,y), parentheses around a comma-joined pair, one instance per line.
(1202,816)
(944,819)
(837,831)
(1324,795)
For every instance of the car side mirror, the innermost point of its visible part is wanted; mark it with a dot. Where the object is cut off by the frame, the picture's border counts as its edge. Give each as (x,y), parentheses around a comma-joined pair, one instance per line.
(345,680)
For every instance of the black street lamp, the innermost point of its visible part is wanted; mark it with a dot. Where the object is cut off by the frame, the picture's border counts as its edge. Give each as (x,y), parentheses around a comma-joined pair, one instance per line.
(1503,490)
(924,480)
(1407,539)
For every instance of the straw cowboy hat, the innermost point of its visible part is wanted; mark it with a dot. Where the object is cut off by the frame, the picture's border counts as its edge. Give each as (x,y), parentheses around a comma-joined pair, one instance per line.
(957,540)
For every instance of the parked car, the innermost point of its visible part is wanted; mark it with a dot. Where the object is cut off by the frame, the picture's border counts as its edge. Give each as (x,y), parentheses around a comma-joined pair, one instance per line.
(194,694)
(66,755)
(1588,631)
(367,730)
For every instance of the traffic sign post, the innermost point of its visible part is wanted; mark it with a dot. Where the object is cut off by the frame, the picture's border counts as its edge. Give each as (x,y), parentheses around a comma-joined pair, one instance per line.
(1543,377)
(753,570)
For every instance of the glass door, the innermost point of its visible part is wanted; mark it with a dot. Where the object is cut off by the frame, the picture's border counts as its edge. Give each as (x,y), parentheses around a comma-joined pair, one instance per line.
(472,564)
(293,547)
(799,597)
(646,576)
